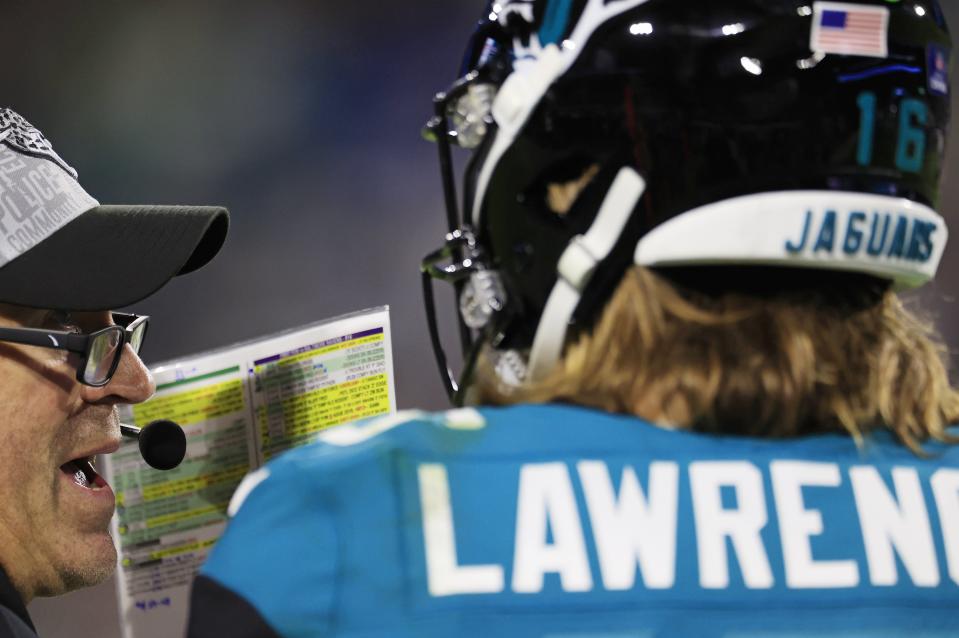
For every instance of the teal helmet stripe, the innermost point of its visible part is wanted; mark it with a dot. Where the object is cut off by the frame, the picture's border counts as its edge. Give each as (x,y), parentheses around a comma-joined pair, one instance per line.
(555,21)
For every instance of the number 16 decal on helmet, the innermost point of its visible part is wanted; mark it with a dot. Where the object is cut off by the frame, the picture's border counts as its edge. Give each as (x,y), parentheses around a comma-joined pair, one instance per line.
(606,133)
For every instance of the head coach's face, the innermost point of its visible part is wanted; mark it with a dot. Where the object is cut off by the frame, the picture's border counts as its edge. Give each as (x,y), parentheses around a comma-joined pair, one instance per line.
(64,262)
(54,526)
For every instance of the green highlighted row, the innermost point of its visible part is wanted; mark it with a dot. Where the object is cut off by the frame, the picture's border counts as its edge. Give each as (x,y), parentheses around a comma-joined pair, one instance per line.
(208,375)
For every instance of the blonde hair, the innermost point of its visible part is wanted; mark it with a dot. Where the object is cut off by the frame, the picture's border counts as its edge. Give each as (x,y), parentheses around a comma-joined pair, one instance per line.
(779,364)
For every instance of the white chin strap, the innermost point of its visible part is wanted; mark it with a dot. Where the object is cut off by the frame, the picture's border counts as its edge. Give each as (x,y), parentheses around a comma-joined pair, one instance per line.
(576,267)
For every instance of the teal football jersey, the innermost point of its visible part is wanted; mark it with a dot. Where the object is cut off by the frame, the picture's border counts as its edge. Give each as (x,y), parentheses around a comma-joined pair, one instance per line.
(559,522)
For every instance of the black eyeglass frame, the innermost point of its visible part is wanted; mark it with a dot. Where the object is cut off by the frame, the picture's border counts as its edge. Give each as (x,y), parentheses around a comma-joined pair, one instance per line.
(82,344)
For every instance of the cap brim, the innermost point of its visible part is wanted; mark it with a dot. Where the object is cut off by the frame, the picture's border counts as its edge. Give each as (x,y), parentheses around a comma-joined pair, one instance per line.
(113,256)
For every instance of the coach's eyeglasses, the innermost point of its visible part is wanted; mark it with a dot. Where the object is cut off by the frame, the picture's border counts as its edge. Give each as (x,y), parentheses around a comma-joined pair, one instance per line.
(100,351)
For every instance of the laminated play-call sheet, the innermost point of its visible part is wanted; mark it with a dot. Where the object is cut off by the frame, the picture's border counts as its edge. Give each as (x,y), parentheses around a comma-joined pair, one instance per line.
(239,407)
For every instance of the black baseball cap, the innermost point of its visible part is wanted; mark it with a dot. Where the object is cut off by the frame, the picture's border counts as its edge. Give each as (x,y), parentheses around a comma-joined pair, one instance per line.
(59,248)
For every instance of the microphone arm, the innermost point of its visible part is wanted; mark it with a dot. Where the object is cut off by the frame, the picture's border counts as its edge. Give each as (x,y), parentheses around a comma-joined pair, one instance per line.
(162,443)
(130,431)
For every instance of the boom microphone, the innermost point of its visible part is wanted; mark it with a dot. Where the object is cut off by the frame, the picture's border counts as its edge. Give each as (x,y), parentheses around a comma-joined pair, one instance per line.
(162,443)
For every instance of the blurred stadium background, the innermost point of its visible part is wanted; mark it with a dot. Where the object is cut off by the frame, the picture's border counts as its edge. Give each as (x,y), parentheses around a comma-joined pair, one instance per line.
(303,118)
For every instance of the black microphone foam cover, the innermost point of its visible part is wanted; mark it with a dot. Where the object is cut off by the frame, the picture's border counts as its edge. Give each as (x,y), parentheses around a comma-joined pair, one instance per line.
(162,444)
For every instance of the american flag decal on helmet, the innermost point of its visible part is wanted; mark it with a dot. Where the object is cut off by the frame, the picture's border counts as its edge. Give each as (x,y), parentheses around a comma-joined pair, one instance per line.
(21,136)
(850,29)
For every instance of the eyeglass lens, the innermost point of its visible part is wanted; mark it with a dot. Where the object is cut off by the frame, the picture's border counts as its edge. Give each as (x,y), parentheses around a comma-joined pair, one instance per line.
(103,352)
(106,349)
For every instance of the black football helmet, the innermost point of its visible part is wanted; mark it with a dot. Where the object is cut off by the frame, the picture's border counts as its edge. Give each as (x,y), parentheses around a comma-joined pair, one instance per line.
(787,133)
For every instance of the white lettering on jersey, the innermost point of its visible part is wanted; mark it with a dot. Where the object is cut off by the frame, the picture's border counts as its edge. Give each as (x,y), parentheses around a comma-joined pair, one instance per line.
(636,530)
(546,501)
(887,526)
(945,488)
(797,524)
(632,529)
(742,525)
(445,576)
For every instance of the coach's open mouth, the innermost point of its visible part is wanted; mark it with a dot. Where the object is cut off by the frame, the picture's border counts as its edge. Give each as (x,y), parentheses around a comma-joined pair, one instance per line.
(83,473)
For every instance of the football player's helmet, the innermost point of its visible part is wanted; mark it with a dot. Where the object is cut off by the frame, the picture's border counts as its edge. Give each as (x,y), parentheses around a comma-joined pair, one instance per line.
(788,133)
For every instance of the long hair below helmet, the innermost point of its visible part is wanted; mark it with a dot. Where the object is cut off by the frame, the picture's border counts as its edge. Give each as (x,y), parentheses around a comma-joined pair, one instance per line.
(841,356)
